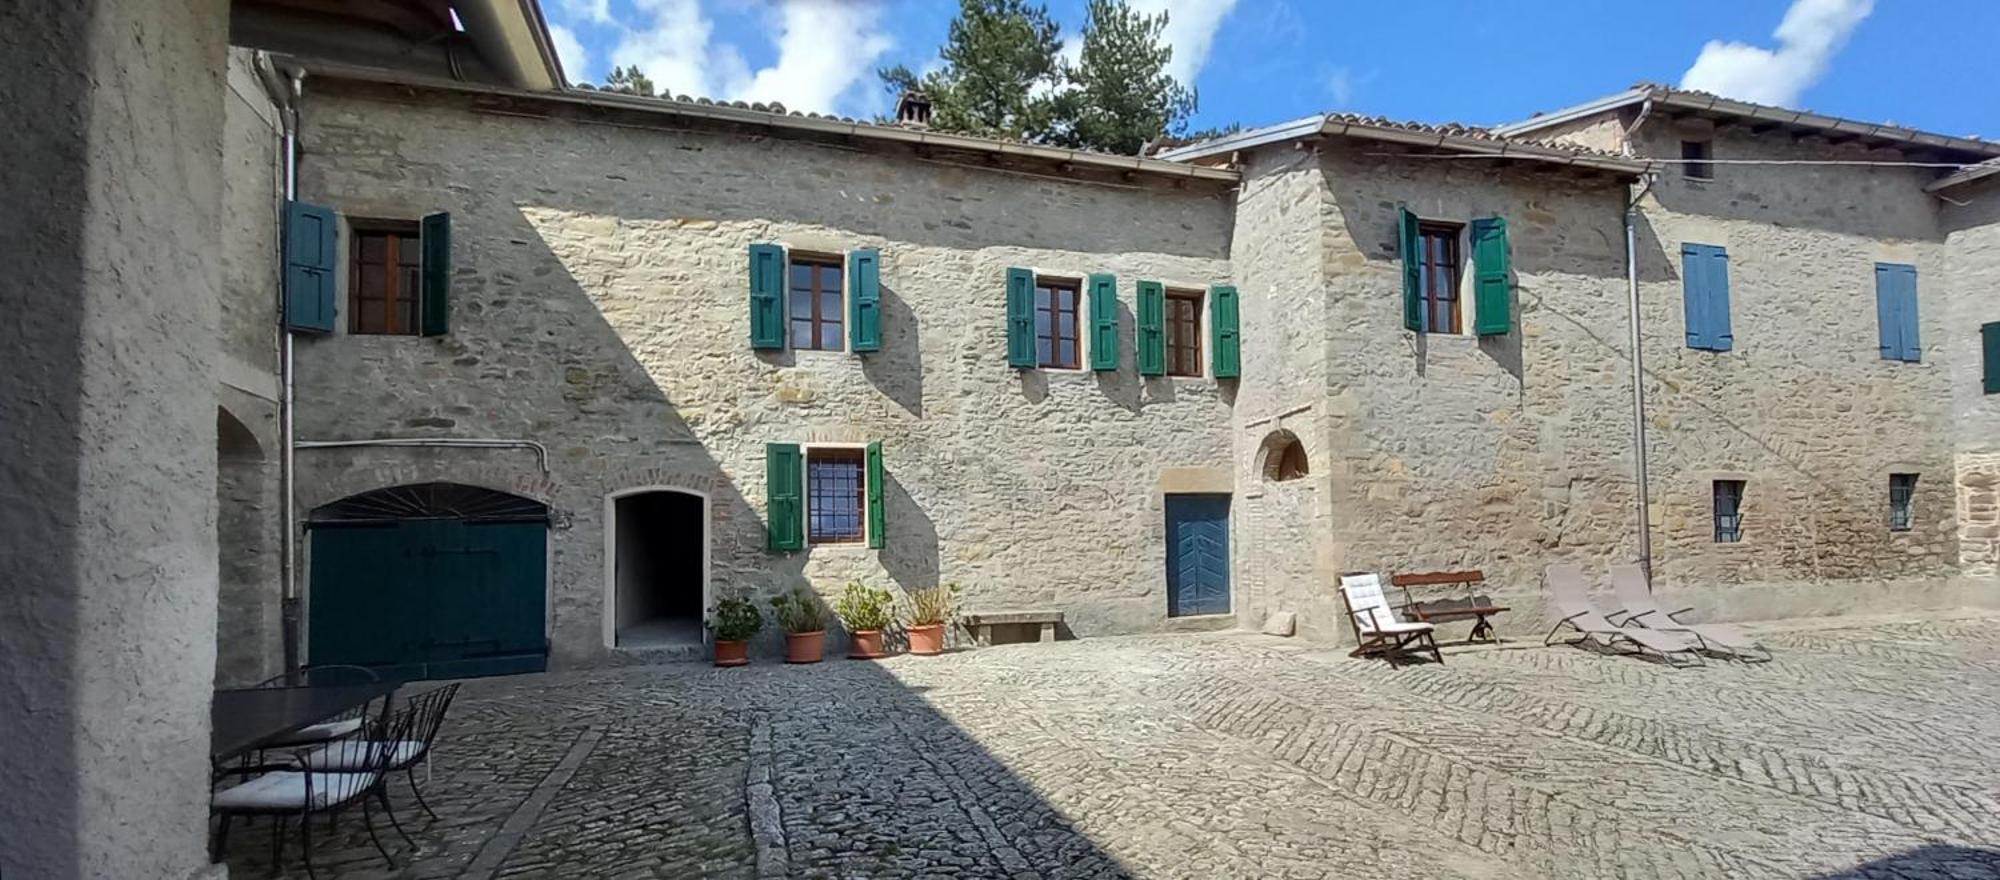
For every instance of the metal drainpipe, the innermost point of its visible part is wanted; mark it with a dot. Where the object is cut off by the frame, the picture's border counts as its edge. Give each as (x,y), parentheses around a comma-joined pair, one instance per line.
(1639,462)
(288,607)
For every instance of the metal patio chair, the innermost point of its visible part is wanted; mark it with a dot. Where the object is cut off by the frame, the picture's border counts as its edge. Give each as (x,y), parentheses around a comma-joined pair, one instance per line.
(420,720)
(1628,583)
(343,725)
(1572,600)
(283,791)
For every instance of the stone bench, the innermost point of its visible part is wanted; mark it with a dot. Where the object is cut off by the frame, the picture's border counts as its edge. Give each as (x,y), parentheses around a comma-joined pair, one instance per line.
(982,623)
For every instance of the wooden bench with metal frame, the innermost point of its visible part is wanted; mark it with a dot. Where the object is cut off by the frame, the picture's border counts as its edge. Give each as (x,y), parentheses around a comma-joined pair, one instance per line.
(1475,608)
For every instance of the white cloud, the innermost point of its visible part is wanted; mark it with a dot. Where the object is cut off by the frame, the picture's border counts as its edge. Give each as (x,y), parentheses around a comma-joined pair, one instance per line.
(575,58)
(594,11)
(1191,27)
(824,47)
(1340,87)
(1812,32)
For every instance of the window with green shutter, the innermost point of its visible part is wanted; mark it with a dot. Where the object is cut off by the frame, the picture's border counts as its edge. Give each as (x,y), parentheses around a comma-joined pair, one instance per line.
(436,305)
(311,251)
(1021,319)
(1226,361)
(1103,322)
(1492,283)
(864,283)
(1410,247)
(1152,333)
(767,297)
(784,475)
(1989,346)
(878,523)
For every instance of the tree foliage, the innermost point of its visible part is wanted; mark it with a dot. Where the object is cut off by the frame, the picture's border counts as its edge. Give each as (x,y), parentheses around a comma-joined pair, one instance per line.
(1121,94)
(629,80)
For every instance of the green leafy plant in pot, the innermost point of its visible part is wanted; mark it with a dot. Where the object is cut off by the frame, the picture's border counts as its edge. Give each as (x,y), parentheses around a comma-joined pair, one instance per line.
(803,618)
(866,611)
(927,614)
(734,621)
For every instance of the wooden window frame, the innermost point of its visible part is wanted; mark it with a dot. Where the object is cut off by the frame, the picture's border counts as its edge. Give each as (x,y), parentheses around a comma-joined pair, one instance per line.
(1192,345)
(1056,314)
(1452,307)
(1698,165)
(1903,510)
(397,232)
(817,319)
(1728,527)
(844,453)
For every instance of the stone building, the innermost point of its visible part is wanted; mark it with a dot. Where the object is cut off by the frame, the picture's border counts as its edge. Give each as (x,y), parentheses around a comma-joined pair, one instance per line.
(686,349)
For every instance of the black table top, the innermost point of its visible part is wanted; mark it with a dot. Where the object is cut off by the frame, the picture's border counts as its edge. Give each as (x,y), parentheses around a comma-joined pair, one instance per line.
(243,719)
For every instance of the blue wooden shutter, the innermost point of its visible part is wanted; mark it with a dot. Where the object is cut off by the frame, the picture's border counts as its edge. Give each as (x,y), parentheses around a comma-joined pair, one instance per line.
(1492,286)
(1152,343)
(1411,247)
(311,240)
(1896,311)
(767,297)
(1103,322)
(1227,359)
(1021,319)
(1989,348)
(1705,296)
(784,476)
(864,300)
(436,300)
(878,522)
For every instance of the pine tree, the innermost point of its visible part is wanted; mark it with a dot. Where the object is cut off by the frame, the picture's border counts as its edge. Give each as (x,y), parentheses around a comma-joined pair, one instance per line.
(1122,95)
(1000,67)
(629,80)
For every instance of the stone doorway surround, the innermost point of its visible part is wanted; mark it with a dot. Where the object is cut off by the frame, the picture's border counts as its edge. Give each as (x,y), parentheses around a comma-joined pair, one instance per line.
(669,636)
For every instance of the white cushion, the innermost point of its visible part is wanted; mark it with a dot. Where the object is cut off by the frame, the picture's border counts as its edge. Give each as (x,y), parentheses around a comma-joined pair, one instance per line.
(354,754)
(320,732)
(1398,627)
(287,791)
(1364,595)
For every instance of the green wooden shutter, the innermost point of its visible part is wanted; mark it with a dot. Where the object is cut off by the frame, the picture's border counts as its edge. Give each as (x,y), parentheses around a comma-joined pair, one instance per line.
(1021,319)
(784,475)
(864,298)
(1226,360)
(767,297)
(1152,344)
(1103,322)
(311,245)
(436,243)
(1413,272)
(1492,288)
(878,525)
(1989,344)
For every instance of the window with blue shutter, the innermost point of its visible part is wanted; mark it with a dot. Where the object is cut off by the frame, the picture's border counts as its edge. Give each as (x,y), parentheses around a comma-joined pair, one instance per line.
(1896,312)
(311,243)
(1705,296)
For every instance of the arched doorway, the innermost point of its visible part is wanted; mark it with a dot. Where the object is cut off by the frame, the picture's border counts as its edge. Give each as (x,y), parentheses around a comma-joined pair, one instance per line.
(656,567)
(247,592)
(431,580)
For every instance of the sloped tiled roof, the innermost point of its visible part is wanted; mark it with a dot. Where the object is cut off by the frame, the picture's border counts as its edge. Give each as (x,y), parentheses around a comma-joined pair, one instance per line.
(1448,135)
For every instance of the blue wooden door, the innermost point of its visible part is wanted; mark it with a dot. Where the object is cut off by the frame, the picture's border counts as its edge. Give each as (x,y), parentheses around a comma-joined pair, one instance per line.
(1197,555)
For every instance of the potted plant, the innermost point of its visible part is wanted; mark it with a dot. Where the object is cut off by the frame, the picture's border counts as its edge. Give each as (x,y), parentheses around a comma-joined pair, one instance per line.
(804,621)
(733,621)
(866,611)
(925,619)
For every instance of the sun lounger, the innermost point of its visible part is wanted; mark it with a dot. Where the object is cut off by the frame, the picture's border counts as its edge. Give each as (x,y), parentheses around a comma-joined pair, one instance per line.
(1376,629)
(1638,608)
(1571,599)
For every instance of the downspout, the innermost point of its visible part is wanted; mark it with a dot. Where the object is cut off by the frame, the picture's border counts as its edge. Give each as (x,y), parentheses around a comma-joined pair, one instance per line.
(1639,463)
(286,92)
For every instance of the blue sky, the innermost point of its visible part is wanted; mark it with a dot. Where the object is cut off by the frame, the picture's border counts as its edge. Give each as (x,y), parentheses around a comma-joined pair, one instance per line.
(1930,64)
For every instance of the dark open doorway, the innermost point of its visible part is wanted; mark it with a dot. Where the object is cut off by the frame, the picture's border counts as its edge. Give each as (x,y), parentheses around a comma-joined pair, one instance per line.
(659,568)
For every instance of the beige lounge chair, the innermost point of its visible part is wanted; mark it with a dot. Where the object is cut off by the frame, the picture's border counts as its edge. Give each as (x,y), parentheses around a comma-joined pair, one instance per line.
(1376,628)
(1572,601)
(1628,582)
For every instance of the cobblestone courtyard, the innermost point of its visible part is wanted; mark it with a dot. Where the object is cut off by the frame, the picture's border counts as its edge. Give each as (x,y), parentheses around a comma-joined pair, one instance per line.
(1861,751)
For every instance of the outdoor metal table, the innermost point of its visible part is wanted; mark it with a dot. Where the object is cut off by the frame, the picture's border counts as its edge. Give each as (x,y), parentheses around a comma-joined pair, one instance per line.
(245,718)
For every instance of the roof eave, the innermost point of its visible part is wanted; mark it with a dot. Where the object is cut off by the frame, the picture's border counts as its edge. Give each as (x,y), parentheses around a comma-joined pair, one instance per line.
(1333,126)
(1573,113)
(1962,177)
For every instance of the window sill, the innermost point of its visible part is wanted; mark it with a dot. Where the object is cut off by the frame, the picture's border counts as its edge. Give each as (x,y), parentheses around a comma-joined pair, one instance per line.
(839,547)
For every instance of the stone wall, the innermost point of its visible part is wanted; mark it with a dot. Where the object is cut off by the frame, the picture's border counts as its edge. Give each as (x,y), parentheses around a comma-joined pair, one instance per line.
(1972,276)
(600,307)
(1803,408)
(113,188)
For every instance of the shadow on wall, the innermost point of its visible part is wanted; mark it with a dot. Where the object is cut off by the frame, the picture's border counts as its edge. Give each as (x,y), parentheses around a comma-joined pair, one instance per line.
(898,369)
(1936,860)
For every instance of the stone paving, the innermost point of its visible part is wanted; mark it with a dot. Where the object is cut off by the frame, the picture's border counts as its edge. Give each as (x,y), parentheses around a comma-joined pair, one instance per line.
(1862,751)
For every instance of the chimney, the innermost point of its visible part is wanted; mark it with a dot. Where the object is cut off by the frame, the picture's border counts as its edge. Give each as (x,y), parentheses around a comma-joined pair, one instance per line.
(913,110)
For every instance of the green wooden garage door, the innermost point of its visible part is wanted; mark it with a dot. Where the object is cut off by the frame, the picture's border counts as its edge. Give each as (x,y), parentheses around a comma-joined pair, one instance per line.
(430,598)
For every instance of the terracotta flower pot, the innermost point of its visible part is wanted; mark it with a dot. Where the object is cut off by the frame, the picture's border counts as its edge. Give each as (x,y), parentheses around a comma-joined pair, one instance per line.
(927,639)
(867,645)
(805,647)
(731,653)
